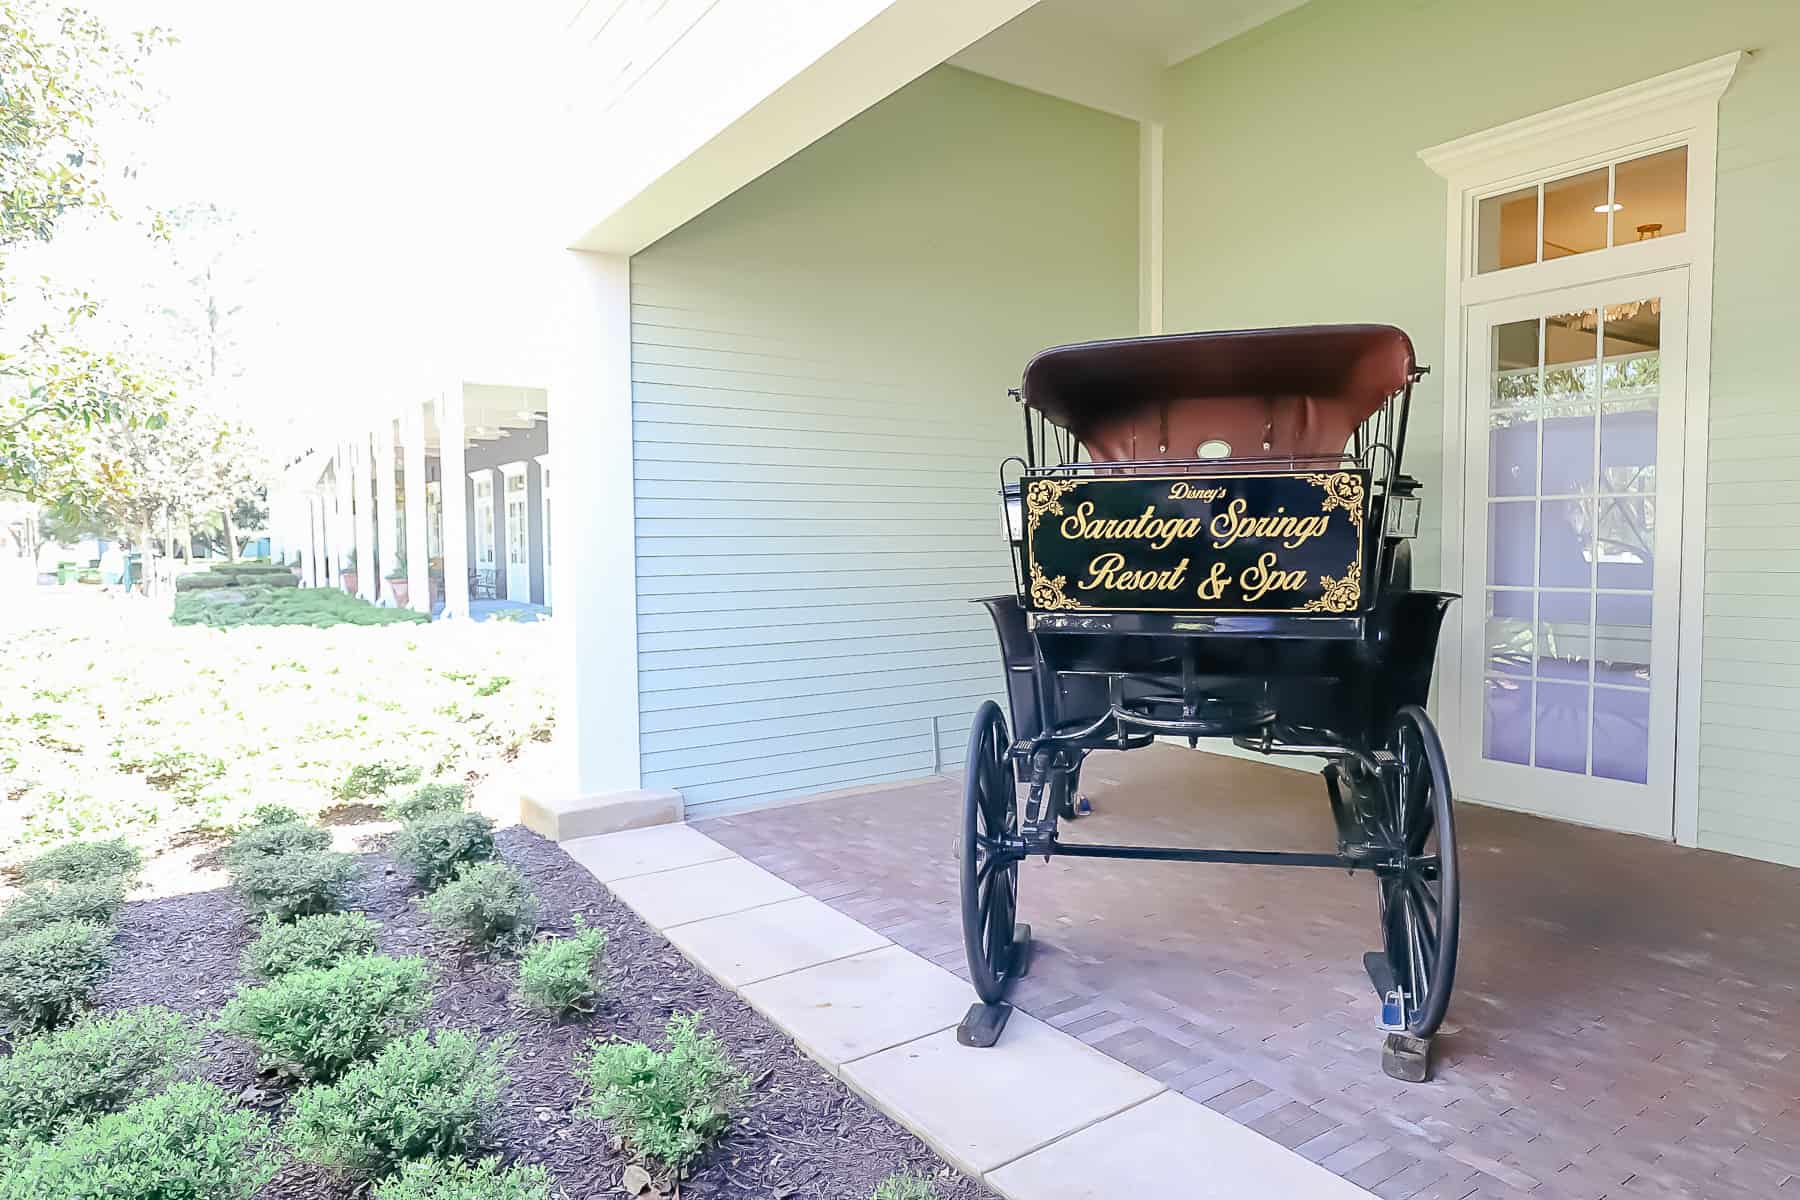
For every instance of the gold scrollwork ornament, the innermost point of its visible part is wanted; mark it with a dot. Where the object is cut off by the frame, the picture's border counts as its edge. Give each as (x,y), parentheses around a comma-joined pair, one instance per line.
(1340,595)
(1047,594)
(1044,496)
(1342,490)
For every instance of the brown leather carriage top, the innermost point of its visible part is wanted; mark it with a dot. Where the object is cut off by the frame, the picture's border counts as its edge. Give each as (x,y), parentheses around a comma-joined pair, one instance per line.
(1265,393)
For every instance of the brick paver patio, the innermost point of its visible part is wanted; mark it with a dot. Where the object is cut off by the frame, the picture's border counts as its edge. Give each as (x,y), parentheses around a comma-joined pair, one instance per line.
(1626,1018)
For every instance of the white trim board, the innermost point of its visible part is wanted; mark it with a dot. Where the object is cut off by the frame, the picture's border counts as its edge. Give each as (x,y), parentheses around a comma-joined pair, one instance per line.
(1679,107)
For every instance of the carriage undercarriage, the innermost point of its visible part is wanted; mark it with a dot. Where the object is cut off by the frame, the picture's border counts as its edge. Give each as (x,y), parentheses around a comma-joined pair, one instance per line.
(1295,634)
(1392,812)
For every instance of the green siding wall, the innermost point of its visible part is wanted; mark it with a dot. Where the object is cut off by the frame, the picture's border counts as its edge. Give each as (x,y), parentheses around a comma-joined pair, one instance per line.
(820,366)
(1294,194)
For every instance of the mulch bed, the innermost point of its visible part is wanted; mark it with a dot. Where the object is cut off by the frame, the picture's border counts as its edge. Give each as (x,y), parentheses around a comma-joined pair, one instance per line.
(801,1134)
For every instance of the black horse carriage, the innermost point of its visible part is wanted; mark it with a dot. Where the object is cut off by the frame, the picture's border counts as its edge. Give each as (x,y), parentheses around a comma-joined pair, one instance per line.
(1210,540)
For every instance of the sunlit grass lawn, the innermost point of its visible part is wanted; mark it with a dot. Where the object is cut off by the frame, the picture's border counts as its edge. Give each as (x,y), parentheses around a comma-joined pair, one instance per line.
(154,731)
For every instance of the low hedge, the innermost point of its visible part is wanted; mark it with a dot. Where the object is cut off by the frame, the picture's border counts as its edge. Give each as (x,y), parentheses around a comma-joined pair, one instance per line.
(73,862)
(423,1096)
(488,904)
(319,608)
(309,944)
(453,1179)
(434,847)
(318,1023)
(189,1143)
(96,901)
(299,883)
(96,1066)
(48,973)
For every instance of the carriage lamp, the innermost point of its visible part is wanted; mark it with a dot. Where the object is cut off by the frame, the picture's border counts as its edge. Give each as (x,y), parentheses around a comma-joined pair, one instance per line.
(1403,516)
(1012,509)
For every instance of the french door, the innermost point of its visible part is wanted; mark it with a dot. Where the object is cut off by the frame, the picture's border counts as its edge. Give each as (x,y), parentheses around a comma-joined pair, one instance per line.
(518,526)
(1575,409)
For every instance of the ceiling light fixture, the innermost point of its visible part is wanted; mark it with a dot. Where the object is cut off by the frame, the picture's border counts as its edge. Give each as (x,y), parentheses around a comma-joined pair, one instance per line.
(1606,208)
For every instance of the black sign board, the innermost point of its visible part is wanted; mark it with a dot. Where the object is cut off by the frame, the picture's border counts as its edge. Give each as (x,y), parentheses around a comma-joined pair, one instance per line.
(1289,542)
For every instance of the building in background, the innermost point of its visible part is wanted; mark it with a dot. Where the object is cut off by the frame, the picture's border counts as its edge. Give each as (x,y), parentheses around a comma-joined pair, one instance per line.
(797,254)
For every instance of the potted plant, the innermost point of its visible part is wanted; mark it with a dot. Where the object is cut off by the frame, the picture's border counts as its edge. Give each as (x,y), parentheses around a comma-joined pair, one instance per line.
(397,581)
(347,572)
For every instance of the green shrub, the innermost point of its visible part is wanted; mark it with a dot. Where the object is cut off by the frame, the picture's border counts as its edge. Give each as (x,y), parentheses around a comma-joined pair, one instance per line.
(74,862)
(274,814)
(275,838)
(48,973)
(904,1185)
(488,904)
(669,1104)
(373,779)
(435,846)
(189,1143)
(317,1023)
(97,1065)
(299,884)
(563,974)
(201,581)
(427,800)
(422,1096)
(453,1179)
(96,901)
(274,602)
(309,943)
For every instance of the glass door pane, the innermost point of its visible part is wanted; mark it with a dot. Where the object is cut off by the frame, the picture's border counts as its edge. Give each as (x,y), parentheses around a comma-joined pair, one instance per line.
(1572,411)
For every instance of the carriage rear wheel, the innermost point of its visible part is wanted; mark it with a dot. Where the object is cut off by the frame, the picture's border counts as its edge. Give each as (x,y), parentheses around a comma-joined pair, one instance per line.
(1420,892)
(990,875)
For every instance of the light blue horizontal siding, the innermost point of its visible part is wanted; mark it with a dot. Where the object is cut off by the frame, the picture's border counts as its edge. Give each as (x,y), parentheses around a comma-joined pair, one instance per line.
(819,369)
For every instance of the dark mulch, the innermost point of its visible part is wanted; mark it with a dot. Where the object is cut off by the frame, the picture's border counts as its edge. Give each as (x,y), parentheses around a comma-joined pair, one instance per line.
(802,1134)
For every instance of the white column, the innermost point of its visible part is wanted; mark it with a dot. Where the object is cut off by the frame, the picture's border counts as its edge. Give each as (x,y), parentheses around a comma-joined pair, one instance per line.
(596,593)
(309,552)
(456,515)
(367,569)
(321,532)
(340,515)
(387,532)
(418,566)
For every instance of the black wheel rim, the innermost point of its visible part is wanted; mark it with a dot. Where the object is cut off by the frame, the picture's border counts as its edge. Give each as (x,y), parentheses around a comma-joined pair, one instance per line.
(990,874)
(1420,891)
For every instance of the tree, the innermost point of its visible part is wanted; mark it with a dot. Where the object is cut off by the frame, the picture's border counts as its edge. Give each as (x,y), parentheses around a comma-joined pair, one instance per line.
(61,72)
(206,247)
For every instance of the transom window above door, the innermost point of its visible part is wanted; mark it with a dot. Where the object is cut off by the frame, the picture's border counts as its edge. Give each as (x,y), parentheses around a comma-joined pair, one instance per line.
(1614,204)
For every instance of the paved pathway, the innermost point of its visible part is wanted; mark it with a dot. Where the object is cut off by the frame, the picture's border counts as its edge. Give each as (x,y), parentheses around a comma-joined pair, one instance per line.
(1041,1116)
(1626,1016)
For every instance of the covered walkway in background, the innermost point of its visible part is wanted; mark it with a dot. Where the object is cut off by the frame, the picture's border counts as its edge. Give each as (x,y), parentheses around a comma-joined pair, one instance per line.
(447,503)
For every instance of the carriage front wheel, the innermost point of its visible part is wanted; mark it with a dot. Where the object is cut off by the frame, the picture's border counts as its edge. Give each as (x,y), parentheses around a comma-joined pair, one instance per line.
(1420,888)
(990,874)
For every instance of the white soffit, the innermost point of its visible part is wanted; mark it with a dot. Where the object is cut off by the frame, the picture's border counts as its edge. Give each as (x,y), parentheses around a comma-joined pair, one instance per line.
(735,90)
(1111,54)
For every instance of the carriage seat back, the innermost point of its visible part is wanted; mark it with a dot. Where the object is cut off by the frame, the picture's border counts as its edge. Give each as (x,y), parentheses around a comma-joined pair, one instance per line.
(1220,427)
(1263,393)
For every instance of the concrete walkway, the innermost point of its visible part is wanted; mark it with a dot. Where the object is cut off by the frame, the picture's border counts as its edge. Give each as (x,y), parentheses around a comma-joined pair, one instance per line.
(1041,1116)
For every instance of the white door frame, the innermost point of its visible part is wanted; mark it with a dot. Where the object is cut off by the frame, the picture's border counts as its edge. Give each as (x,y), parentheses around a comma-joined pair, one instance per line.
(543,462)
(1680,107)
(485,537)
(509,472)
(1585,799)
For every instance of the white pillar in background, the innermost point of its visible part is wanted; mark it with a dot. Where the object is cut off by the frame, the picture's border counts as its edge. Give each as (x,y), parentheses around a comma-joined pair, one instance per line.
(367,569)
(342,542)
(321,540)
(455,488)
(309,549)
(418,566)
(596,594)
(387,532)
